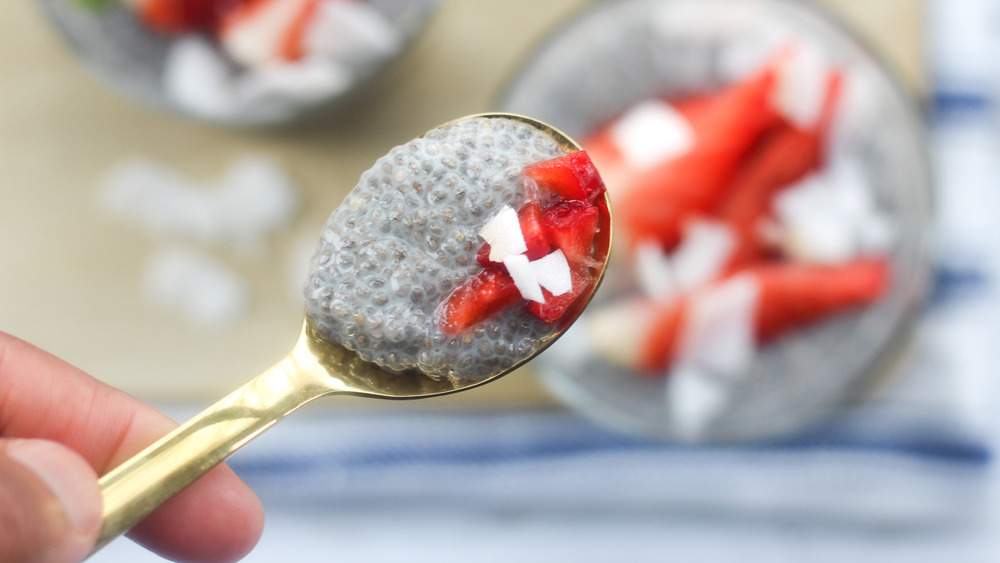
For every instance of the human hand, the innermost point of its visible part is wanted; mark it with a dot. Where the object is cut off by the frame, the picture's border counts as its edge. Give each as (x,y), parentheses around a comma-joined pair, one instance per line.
(59,429)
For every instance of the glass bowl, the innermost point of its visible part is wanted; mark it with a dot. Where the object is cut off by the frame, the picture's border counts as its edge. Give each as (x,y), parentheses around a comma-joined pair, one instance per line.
(614,54)
(189,74)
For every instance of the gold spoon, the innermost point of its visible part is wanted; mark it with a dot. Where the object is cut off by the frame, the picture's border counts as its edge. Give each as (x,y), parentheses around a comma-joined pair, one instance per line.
(314,368)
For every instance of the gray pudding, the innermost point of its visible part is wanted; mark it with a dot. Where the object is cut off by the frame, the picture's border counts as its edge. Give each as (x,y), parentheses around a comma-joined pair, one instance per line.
(407,235)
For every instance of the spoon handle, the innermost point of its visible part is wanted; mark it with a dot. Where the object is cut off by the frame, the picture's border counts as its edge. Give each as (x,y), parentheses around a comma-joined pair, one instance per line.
(141,484)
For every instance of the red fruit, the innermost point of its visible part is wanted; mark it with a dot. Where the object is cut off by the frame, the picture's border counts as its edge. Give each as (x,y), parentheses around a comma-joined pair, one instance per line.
(791,296)
(556,306)
(479,298)
(483,256)
(795,295)
(731,119)
(535,237)
(293,44)
(571,226)
(654,203)
(261,32)
(657,203)
(180,16)
(784,157)
(572,177)
(660,341)
(615,172)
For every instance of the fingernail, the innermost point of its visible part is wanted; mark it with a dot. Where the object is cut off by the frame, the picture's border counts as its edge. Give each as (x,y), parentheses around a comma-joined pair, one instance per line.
(68,476)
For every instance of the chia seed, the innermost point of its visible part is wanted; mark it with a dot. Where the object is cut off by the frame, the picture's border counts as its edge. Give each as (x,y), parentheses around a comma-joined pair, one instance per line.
(396,223)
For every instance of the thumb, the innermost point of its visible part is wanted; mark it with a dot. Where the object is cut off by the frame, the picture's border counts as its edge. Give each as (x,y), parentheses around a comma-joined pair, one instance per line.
(50,503)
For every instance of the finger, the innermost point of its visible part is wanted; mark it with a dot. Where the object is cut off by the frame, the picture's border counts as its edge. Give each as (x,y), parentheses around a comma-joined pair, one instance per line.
(50,504)
(217,518)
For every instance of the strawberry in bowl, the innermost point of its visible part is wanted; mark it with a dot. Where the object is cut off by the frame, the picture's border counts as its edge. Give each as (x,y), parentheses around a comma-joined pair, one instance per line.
(239,62)
(772,206)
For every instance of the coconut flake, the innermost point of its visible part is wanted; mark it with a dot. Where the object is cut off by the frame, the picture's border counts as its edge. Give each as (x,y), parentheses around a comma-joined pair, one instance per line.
(196,287)
(253,198)
(650,132)
(503,234)
(801,88)
(857,108)
(832,218)
(156,199)
(198,79)
(718,333)
(654,272)
(352,31)
(256,38)
(524,277)
(613,330)
(702,254)
(694,400)
(553,273)
(308,81)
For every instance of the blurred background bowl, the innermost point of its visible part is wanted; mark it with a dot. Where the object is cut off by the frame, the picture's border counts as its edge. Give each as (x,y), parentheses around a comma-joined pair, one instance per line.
(614,54)
(123,52)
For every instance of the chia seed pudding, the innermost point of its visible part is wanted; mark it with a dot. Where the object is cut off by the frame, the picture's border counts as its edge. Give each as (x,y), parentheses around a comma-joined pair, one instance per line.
(407,236)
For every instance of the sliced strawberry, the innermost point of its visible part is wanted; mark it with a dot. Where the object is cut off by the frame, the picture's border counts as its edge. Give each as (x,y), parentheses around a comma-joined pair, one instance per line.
(794,295)
(261,32)
(483,256)
(784,157)
(659,343)
(572,177)
(653,203)
(615,171)
(658,203)
(535,236)
(791,296)
(734,117)
(479,298)
(571,226)
(181,16)
(293,45)
(556,306)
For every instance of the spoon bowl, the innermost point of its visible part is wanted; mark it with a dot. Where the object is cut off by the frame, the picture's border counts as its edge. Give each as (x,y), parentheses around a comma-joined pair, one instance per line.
(315,367)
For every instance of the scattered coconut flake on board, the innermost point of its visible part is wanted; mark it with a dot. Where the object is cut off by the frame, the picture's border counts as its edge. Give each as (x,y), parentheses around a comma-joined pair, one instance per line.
(718,334)
(156,199)
(521,272)
(503,234)
(703,253)
(553,273)
(651,132)
(252,199)
(196,287)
